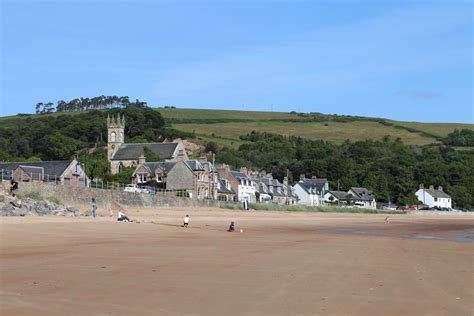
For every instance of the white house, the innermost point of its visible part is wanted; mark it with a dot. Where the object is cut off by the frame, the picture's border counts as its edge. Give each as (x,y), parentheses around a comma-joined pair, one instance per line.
(245,187)
(311,192)
(433,198)
(362,197)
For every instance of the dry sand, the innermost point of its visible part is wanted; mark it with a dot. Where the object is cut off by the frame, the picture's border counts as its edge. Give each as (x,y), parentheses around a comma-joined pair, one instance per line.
(282,264)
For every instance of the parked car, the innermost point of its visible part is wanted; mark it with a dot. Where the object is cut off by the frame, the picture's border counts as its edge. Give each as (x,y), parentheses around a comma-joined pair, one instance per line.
(359,205)
(389,207)
(407,208)
(132,188)
(148,190)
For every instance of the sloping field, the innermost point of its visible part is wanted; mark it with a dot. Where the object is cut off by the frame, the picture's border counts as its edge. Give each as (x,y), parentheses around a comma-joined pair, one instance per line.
(334,131)
(438,129)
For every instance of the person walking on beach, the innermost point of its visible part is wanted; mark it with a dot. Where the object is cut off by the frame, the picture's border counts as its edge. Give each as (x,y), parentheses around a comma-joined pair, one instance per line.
(94,207)
(186,221)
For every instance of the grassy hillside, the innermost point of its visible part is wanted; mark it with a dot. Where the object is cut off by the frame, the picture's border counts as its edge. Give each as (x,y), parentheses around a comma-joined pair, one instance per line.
(225,126)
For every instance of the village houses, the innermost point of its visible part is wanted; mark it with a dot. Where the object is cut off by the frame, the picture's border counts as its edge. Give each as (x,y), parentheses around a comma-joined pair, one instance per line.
(311,192)
(434,197)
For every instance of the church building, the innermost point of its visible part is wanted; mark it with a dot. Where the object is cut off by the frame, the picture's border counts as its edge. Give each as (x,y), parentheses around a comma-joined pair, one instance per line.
(120,154)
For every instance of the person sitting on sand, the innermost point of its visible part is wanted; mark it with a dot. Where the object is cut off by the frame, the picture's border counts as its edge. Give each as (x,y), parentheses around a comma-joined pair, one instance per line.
(186,221)
(231,227)
(121,217)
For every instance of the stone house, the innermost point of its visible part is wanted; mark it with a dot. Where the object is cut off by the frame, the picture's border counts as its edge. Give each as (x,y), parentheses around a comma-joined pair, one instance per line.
(311,192)
(434,197)
(240,183)
(197,178)
(224,191)
(272,190)
(66,172)
(121,154)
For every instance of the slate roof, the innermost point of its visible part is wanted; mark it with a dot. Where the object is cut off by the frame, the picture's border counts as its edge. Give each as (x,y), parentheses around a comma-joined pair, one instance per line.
(437,193)
(239,175)
(151,166)
(195,165)
(312,184)
(340,195)
(133,151)
(223,188)
(51,168)
(34,172)
(363,194)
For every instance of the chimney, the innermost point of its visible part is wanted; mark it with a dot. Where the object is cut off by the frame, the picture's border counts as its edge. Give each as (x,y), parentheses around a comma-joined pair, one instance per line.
(302,177)
(141,159)
(440,188)
(203,159)
(422,186)
(313,177)
(243,170)
(431,187)
(285,180)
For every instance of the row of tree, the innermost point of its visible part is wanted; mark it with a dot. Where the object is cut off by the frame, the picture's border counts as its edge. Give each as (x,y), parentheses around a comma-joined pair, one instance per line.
(391,169)
(84,104)
(463,138)
(63,136)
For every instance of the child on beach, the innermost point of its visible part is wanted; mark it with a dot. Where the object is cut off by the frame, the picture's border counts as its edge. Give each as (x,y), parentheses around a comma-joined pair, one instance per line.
(94,207)
(231,227)
(186,221)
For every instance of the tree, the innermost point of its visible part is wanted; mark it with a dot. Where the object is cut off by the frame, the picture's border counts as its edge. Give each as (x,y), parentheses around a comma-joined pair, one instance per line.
(39,105)
(211,147)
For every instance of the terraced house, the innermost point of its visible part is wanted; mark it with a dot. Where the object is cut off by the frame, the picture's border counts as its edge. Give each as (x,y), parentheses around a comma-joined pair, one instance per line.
(198,178)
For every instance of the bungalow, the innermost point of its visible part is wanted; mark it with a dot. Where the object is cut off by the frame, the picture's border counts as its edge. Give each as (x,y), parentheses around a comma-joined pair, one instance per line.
(336,197)
(66,172)
(434,198)
(311,192)
(362,197)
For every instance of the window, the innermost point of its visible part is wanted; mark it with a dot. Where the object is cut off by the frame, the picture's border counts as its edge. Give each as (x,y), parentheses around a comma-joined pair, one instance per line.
(141,178)
(159,178)
(436,199)
(112,137)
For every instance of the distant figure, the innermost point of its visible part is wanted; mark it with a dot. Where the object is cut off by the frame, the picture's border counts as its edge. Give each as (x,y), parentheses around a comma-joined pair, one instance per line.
(231,227)
(94,207)
(186,221)
(13,187)
(121,217)
(387,220)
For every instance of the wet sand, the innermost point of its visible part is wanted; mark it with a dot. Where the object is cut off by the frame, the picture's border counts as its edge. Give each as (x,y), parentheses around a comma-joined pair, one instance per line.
(282,264)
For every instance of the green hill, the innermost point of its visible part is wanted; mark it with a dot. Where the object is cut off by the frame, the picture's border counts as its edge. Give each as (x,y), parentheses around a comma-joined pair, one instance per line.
(225,126)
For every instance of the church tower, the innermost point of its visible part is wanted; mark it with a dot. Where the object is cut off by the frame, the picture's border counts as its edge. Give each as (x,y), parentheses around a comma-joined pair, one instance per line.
(115,135)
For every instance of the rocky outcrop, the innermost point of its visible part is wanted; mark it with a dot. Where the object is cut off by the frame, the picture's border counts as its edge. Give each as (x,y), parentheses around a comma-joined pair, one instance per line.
(28,207)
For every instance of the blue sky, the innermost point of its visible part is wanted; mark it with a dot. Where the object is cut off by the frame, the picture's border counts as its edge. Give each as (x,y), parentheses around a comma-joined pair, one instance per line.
(403,60)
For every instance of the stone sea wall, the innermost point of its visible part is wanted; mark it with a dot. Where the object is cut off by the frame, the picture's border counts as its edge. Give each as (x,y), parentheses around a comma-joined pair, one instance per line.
(80,197)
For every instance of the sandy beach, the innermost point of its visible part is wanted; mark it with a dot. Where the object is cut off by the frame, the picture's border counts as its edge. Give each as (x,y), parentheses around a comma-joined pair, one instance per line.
(281,264)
